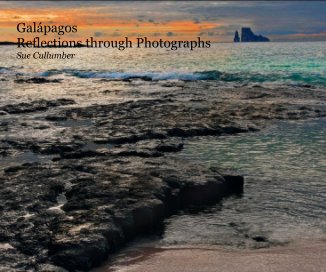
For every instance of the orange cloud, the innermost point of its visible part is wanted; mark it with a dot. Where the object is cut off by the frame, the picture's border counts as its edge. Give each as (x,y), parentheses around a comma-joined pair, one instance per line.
(92,20)
(308,35)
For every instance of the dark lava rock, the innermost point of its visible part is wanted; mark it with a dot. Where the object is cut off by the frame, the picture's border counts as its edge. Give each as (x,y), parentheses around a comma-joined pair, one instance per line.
(59,148)
(169,148)
(260,238)
(143,154)
(81,254)
(37,105)
(81,154)
(55,118)
(37,80)
(50,268)
(108,202)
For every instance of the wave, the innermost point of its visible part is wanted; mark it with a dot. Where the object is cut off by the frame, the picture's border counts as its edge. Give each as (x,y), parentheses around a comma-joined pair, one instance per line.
(279,78)
(294,78)
(11,71)
(153,76)
(4,70)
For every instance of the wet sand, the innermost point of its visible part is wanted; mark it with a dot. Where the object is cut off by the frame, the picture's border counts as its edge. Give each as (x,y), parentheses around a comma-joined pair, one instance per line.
(299,257)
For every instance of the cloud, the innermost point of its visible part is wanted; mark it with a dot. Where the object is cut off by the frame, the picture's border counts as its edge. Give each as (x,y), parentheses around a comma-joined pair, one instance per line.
(116,34)
(196,21)
(279,19)
(99,34)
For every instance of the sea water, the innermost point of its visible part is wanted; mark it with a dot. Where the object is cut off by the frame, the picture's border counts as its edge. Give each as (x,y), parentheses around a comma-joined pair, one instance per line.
(263,63)
(284,196)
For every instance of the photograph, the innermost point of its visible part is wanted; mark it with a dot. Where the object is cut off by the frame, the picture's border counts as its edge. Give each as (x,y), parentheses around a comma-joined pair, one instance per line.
(163,136)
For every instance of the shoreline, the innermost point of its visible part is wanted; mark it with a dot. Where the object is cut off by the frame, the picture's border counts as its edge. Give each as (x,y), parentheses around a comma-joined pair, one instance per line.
(303,256)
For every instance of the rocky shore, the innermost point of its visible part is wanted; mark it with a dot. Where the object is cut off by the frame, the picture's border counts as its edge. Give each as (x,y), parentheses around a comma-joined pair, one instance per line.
(80,179)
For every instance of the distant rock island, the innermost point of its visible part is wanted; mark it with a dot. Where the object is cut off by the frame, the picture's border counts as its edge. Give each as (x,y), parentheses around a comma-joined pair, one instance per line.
(236,37)
(248,36)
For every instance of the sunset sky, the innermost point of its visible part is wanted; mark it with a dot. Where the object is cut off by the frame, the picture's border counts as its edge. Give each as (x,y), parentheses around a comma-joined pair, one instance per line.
(212,20)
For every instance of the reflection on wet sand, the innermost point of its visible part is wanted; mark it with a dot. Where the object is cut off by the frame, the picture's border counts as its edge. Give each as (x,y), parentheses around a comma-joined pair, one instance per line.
(304,257)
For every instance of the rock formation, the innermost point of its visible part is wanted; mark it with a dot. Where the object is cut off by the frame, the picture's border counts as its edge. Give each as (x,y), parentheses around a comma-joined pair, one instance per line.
(236,37)
(248,36)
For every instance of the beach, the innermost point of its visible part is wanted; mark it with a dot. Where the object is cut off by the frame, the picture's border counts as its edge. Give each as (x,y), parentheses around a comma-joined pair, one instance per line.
(304,256)
(93,158)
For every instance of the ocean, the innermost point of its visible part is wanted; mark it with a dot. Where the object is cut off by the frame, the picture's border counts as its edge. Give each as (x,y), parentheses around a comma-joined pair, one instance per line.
(284,196)
(249,63)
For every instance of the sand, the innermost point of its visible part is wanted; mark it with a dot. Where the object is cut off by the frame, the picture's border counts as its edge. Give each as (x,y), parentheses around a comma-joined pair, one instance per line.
(299,257)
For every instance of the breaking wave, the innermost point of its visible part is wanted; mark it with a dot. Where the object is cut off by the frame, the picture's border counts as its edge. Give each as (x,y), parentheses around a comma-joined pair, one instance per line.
(314,79)
(241,77)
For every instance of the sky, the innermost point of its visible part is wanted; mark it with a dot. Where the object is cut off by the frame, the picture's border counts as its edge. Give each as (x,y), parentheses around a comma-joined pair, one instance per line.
(180,20)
